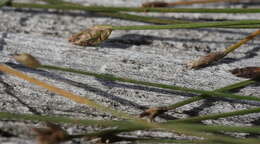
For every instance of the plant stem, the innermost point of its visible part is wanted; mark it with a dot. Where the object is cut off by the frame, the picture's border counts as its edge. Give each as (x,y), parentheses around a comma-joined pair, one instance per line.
(241,42)
(220,139)
(59,119)
(83,100)
(219,128)
(164,86)
(125,16)
(185,26)
(209,140)
(197,98)
(216,56)
(216,116)
(156,141)
(146,19)
(56,2)
(254,26)
(69,95)
(113,132)
(152,112)
(132,9)
(198,2)
(216,138)
(79,99)
(123,126)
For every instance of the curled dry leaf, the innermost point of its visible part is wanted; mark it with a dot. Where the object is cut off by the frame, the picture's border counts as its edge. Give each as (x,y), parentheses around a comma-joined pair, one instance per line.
(154,4)
(206,60)
(247,72)
(52,134)
(91,36)
(151,113)
(27,60)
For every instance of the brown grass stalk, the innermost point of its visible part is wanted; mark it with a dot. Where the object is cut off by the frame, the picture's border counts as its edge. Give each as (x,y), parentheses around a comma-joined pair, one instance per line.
(67,94)
(215,56)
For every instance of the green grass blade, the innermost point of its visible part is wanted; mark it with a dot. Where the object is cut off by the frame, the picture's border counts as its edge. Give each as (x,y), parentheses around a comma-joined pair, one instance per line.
(133,9)
(216,116)
(164,86)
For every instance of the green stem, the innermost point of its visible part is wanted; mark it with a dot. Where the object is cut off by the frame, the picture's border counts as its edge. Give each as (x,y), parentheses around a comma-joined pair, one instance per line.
(4,2)
(197,98)
(215,137)
(123,126)
(216,116)
(146,19)
(190,2)
(125,16)
(220,138)
(171,87)
(241,42)
(126,125)
(188,25)
(55,2)
(156,141)
(132,9)
(140,18)
(219,128)
(206,128)
(59,119)
(255,26)
(76,98)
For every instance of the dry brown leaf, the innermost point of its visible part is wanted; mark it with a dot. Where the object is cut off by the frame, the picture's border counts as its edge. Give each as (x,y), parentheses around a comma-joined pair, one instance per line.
(247,72)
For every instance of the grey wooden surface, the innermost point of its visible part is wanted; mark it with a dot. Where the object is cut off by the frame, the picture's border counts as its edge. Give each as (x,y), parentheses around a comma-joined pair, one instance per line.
(156,56)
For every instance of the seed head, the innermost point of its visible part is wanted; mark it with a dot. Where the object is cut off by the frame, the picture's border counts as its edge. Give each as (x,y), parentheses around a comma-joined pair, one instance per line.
(206,60)
(247,72)
(27,60)
(91,36)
